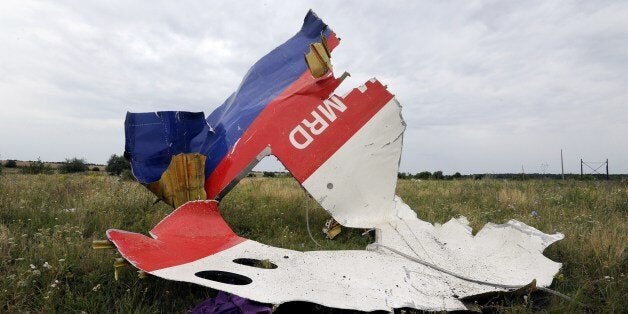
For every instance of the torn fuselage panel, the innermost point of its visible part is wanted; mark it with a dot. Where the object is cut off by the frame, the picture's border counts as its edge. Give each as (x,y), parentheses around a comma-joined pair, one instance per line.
(193,231)
(195,245)
(152,139)
(345,152)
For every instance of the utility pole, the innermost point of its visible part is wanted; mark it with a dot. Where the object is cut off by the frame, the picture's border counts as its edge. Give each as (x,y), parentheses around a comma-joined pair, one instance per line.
(562,167)
(581,172)
(607,176)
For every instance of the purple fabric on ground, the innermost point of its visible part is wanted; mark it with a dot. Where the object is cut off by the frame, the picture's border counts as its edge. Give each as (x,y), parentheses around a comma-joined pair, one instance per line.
(226,303)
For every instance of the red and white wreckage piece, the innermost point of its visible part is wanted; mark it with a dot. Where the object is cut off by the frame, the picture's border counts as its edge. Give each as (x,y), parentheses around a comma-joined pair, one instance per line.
(345,151)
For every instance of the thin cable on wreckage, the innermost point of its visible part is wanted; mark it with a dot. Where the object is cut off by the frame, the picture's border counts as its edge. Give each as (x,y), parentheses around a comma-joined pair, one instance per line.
(481,282)
(417,240)
(427,254)
(440,269)
(307,223)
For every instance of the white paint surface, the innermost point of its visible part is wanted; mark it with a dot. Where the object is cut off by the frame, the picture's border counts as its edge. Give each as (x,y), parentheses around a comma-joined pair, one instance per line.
(378,279)
(356,185)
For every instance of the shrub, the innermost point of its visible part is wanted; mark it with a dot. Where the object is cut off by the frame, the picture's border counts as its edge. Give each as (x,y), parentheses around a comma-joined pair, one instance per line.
(269,174)
(73,165)
(438,175)
(457,175)
(117,164)
(95,169)
(423,175)
(127,175)
(10,164)
(37,167)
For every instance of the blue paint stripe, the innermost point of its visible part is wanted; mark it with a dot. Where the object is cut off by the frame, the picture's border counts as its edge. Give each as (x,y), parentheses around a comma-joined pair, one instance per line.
(153,138)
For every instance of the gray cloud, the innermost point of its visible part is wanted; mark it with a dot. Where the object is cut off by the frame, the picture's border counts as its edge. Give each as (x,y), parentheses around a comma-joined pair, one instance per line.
(487,86)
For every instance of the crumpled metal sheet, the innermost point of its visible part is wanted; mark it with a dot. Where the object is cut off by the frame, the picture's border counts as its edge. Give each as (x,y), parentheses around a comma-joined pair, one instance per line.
(345,151)
(153,138)
(355,182)
(373,279)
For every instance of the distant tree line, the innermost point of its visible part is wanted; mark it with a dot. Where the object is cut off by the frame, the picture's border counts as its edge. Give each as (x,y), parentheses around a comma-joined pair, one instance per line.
(426,175)
(438,175)
(117,165)
(37,167)
(120,166)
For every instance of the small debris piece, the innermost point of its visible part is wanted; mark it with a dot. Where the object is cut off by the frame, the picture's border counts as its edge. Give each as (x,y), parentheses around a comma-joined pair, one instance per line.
(119,262)
(318,59)
(102,244)
(332,228)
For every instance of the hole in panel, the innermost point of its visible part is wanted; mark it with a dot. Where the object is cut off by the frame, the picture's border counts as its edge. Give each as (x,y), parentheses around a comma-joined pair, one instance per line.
(224,277)
(265,263)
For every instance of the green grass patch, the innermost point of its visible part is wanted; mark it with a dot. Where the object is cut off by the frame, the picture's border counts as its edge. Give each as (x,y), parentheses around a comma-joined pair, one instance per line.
(47,224)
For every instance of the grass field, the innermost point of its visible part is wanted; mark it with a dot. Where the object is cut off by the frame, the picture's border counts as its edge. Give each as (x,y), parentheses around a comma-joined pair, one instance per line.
(47,224)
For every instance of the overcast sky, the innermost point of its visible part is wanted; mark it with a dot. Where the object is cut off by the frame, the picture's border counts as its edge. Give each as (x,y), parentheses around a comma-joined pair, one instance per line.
(487,86)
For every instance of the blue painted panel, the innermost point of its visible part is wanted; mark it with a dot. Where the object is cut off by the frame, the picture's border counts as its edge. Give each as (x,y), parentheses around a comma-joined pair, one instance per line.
(153,138)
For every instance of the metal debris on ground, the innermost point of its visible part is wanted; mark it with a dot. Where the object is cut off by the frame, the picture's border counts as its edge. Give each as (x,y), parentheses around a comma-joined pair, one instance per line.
(345,151)
(332,228)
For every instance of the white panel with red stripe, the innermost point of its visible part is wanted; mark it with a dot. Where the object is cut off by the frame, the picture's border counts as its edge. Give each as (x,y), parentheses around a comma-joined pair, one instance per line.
(356,185)
(348,162)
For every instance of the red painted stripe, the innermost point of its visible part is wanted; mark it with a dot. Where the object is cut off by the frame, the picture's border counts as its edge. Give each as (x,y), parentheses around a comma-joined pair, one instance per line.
(196,229)
(273,126)
(248,148)
(361,107)
(193,231)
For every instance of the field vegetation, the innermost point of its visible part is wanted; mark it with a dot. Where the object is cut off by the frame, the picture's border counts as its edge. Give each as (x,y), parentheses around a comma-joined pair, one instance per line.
(47,224)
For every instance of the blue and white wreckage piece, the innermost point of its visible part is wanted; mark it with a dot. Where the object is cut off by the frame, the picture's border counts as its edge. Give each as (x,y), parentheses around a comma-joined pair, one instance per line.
(345,151)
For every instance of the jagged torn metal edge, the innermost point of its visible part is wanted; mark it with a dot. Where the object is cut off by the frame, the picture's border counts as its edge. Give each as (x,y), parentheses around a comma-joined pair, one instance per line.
(374,279)
(195,240)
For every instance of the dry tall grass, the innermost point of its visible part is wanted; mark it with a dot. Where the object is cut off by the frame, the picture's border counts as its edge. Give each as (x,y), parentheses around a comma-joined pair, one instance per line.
(47,223)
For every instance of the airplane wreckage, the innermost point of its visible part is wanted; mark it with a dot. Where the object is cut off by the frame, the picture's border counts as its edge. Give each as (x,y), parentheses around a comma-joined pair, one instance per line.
(345,151)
